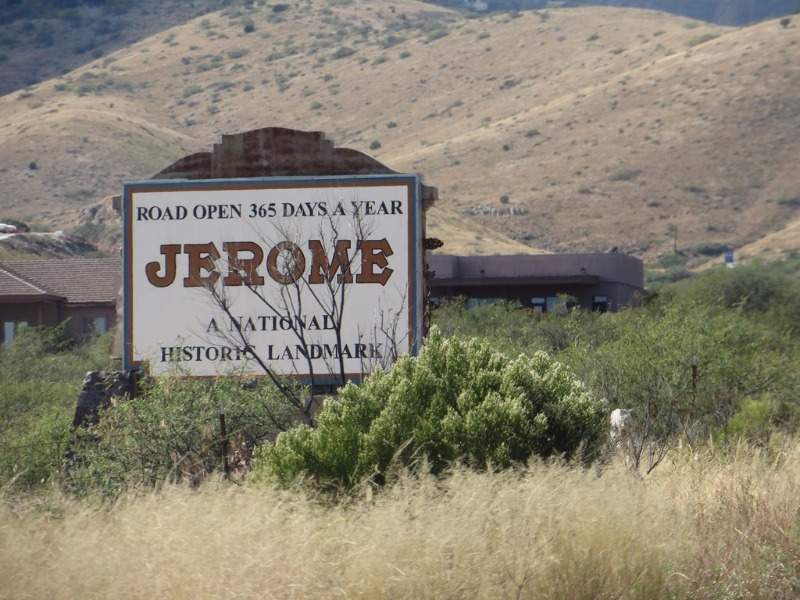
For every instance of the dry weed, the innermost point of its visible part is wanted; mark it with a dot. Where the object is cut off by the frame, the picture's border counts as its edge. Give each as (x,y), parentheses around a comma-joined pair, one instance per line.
(699,528)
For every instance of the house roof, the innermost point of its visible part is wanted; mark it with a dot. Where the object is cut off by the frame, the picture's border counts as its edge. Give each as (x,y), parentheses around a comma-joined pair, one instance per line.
(589,268)
(73,280)
(15,288)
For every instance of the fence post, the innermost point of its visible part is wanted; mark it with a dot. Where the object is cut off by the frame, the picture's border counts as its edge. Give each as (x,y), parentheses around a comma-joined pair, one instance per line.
(224,439)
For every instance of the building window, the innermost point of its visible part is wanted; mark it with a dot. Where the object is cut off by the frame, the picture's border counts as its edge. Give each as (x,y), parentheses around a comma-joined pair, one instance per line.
(538,304)
(556,303)
(600,304)
(10,330)
(549,304)
(94,325)
(475,302)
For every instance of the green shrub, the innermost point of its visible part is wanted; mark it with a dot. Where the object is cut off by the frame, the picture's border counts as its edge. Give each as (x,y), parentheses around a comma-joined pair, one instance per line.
(457,402)
(508,329)
(710,248)
(671,259)
(676,273)
(170,433)
(755,421)
(343,52)
(35,424)
(641,358)
(191,90)
(19,360)
(755,287)
(693,189)
(434,35)
(391,40)
(509,83)
(790,201)
(701,39)
(41,380)
(36,417)
(90,231)
(643,362)
(624,175)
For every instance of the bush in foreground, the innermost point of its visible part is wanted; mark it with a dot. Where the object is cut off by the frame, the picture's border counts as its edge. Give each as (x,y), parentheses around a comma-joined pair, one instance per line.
(170,433)
(41,375)
(457,402)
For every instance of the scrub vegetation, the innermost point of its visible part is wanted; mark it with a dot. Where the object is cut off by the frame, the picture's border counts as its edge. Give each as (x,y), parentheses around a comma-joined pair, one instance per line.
(421,481)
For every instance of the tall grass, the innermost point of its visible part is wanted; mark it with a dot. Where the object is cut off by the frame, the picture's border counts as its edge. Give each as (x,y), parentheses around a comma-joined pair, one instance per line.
(706,528)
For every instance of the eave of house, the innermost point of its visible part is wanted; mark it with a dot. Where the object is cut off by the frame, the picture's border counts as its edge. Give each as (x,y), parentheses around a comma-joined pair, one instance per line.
(582,279)
(29,299)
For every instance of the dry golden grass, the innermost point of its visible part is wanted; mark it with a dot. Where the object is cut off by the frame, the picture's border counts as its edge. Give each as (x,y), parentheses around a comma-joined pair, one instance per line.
(550,109)
(775,246)
(708,528)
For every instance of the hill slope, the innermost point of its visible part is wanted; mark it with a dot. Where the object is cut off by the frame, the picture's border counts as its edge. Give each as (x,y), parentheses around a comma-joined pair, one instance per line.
(603,126)
(40,39)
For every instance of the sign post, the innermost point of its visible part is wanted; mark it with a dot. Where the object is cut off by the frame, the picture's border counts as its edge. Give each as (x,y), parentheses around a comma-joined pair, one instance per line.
(729,260)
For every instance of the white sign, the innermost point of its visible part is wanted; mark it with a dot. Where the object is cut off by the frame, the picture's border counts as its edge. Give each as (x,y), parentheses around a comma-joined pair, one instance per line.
(310,277)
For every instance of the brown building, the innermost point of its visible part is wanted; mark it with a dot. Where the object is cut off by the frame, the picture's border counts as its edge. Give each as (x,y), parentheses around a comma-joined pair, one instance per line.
(47,292)
(607,281)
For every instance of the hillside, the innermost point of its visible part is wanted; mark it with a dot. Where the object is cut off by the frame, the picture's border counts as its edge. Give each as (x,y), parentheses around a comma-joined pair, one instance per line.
(39,40)
(604,126)
(725,12)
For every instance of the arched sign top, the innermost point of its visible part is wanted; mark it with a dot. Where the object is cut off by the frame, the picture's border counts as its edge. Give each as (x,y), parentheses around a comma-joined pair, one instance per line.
(279,152)
(273,152)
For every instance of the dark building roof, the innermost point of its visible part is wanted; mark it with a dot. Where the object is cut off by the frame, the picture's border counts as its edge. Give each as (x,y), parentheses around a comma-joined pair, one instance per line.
(14,286)
(73,280)
(538,268)
(611,279)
